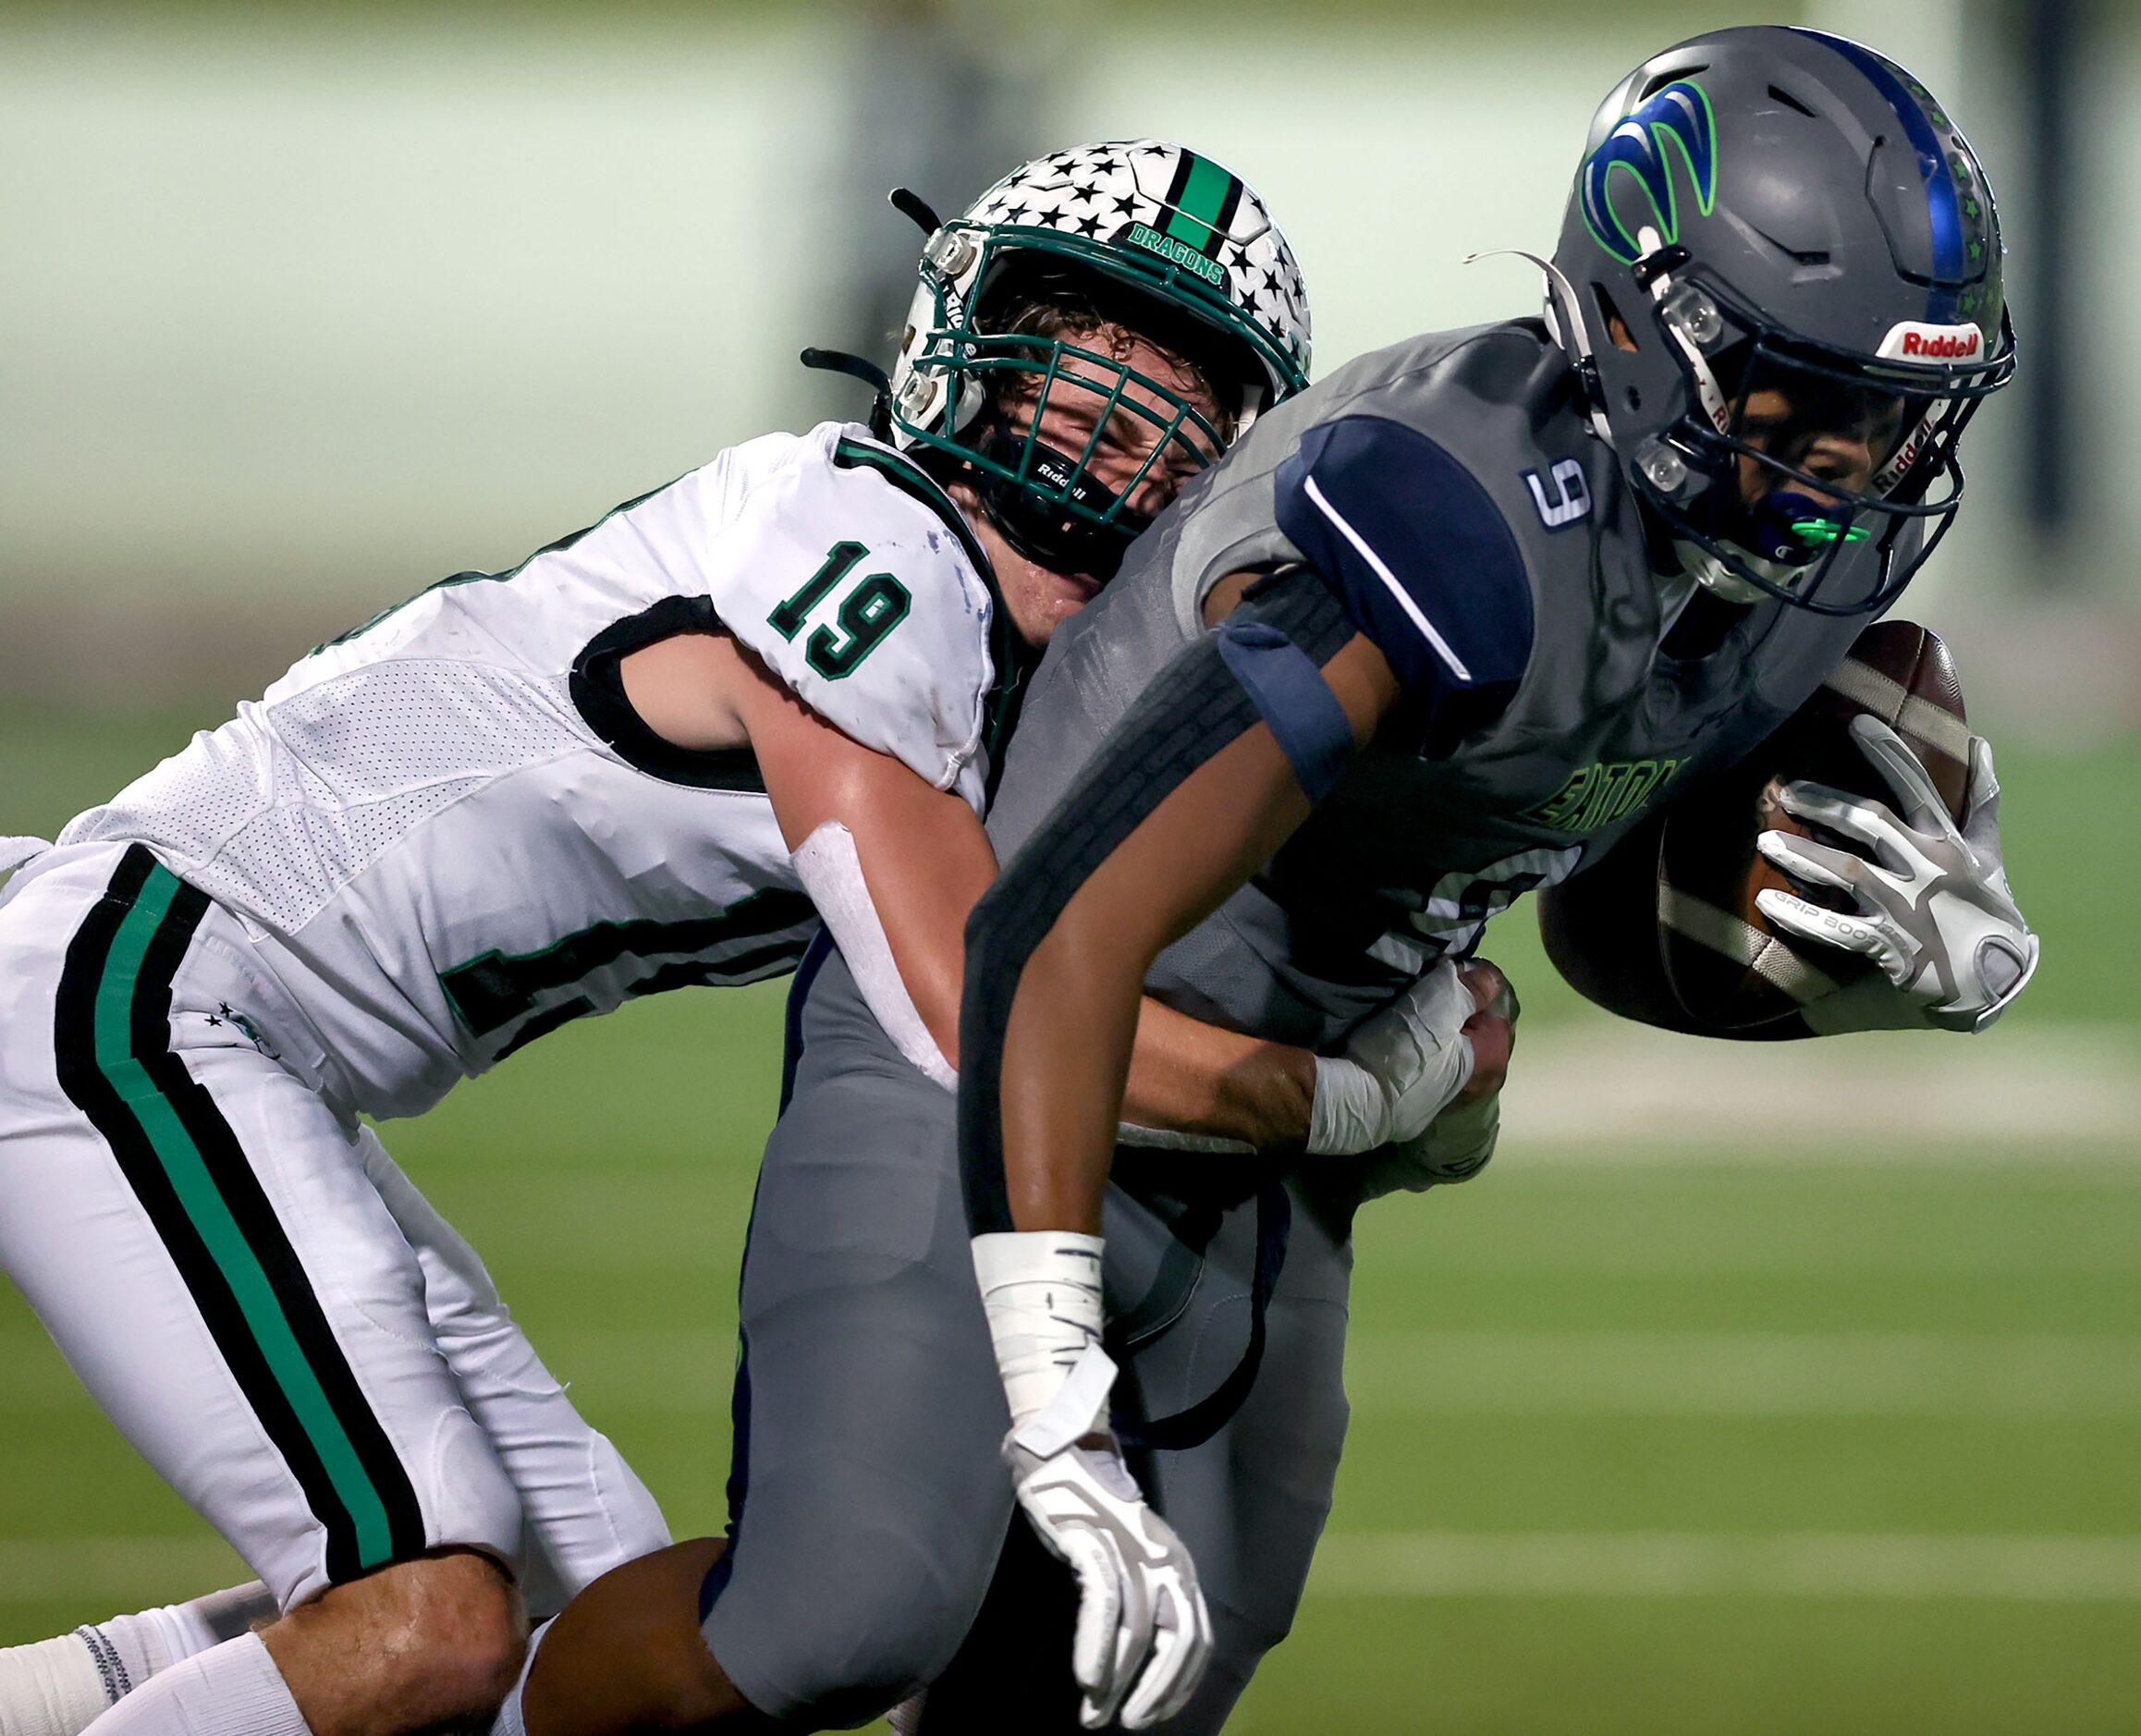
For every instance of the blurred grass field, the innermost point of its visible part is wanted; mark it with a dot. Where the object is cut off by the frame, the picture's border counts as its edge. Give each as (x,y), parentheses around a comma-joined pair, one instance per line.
(1744,1429)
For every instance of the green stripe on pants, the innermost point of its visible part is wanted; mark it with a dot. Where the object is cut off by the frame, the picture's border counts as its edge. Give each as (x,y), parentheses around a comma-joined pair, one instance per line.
(211,1217)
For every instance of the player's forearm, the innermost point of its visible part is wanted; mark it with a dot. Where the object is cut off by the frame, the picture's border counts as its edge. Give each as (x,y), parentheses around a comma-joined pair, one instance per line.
(1187,1077)
(1068,1045)
(1058,952)
(1067,1053)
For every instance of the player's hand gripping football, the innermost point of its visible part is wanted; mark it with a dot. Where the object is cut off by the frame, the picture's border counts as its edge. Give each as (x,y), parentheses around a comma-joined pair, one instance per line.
(1934,911)
(1445,1041)
(1456,1144)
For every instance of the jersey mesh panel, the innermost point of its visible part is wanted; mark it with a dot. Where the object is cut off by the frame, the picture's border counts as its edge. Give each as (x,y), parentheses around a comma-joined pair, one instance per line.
(351,767)
(382,730)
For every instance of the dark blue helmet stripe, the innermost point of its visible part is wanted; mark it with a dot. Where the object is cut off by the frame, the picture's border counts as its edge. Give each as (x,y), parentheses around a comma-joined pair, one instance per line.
(1944,205)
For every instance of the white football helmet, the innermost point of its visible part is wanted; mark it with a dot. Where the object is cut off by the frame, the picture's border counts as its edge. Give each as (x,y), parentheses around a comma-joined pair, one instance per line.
(1187,237)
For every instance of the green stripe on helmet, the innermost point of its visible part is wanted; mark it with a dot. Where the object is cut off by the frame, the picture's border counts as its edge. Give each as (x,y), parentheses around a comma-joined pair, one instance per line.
(1203,197)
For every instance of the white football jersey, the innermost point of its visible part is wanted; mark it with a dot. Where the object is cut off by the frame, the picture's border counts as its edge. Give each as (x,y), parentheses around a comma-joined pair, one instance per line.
(447,833)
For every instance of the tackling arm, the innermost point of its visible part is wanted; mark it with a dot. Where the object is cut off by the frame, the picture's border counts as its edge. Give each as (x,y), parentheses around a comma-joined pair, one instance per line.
(896,865)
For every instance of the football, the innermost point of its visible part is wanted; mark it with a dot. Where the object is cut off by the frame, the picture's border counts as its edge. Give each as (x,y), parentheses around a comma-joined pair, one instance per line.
(1665,929)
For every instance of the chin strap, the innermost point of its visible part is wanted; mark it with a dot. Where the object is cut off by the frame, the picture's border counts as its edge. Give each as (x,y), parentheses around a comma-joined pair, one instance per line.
(1047,533)
(859,368)
(918,209)
(1713,575)
(1565,326)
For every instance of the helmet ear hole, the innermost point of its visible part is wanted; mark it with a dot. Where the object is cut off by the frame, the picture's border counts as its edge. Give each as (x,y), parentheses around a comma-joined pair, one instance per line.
(1618,331)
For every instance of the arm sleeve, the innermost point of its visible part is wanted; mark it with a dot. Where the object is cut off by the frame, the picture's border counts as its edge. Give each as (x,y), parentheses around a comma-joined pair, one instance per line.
(1408,540)
(866,604)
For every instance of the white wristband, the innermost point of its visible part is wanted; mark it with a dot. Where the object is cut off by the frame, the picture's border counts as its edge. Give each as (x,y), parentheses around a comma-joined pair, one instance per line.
(1041,1291)
(1349,1112)
(1079,1408)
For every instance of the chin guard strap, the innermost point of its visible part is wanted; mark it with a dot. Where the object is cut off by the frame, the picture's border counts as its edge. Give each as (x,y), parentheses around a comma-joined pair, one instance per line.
(1565,326)
(910,204)
(858,368)
(1047,534)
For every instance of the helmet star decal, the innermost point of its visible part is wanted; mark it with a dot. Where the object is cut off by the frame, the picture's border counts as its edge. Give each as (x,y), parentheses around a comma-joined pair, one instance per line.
(1188,240)
(1185,210)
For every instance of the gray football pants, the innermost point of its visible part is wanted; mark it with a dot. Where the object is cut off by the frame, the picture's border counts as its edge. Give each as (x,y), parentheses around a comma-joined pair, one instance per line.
(871,1511)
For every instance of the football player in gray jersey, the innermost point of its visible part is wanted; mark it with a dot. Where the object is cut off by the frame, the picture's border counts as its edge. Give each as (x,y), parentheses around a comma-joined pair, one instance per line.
(1446,626)
(1436,632)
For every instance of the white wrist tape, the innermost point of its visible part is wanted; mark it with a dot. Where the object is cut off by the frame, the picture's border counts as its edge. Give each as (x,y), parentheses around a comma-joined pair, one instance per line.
(1399,1068)
(832,873)
(1079,1408)
(1041,1291)
(1349,1112)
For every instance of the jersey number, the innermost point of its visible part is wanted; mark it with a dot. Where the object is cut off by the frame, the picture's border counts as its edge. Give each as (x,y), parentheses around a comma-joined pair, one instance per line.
(875,605)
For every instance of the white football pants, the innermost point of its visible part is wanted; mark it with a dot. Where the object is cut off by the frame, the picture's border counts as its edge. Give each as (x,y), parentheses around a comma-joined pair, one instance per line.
(241,1278)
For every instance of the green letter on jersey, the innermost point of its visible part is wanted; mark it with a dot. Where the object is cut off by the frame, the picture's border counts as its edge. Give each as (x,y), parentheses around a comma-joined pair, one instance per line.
(877,605)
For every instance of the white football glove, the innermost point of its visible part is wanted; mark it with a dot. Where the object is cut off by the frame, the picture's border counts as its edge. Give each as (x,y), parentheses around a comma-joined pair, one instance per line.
(1399,1070)
(1143,1636)
(1934,909)
(1455,1146)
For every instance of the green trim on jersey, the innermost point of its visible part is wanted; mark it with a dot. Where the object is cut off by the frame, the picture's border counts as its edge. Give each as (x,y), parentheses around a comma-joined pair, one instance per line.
(911,478)
(1009,654)
(200,1193)
(453,579)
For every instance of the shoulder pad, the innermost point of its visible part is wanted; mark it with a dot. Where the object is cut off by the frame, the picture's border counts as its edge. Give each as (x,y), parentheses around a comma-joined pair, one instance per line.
(853,575)
(1413,545)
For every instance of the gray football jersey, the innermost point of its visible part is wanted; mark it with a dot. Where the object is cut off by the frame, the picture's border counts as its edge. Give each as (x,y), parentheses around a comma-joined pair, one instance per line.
(1451,491)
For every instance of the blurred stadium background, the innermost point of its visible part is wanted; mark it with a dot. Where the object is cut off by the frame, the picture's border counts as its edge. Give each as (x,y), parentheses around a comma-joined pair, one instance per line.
(1760,1391)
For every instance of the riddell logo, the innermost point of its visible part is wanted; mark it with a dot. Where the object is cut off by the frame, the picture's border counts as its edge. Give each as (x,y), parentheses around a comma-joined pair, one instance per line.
(1914,342)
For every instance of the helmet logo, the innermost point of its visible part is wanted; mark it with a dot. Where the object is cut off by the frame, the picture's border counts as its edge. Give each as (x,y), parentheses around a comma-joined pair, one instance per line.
(1179,253)
(1678,114)
(1915,341)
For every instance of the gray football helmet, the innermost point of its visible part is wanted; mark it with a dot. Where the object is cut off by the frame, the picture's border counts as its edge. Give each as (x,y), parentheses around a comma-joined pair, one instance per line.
(1780,276)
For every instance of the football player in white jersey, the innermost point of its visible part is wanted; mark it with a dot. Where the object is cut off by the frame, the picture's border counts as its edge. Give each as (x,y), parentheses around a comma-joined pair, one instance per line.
(653,755)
